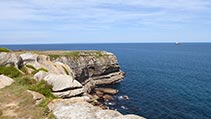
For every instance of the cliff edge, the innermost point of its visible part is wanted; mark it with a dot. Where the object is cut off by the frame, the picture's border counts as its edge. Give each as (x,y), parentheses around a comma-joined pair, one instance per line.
(72,75)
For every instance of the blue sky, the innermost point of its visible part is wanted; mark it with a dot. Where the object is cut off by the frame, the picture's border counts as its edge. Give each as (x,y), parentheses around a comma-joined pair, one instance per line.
(102,21)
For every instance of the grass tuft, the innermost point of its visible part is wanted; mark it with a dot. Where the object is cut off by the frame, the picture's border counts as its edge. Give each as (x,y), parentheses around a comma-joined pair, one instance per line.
(31,67)
(10,71)
(65,70)
(40,69)
(44,88)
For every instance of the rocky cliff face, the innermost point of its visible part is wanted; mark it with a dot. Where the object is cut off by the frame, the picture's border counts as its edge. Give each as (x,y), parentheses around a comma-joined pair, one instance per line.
(73,75)
(93,68)
(88,68)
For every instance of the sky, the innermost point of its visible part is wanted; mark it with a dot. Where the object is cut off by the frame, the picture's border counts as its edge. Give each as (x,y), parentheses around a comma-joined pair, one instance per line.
(104,21)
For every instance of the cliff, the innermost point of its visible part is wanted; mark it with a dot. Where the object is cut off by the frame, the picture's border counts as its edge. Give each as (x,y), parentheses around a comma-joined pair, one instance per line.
(70,73)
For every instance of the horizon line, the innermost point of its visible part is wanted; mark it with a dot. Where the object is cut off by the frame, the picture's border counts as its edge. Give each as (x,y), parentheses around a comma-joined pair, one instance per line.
(101,43)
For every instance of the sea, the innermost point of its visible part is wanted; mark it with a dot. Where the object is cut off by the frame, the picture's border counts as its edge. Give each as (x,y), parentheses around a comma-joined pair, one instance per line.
(163,80)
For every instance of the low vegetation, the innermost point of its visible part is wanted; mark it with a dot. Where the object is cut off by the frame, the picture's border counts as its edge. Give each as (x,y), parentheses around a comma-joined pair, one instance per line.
(65,70)
(31,67)
(40,69)
(25,105)
(17,92)
(10,71)
(4,50)
(66,54)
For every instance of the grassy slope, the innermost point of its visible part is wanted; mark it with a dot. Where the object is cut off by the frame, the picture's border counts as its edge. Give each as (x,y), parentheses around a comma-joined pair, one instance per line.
(16,103)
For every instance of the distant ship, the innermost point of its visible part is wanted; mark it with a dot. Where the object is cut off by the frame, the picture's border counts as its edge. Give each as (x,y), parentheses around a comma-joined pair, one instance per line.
(178,43)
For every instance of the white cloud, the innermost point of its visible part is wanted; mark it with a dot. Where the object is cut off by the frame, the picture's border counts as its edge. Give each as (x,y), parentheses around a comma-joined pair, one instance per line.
(97,14)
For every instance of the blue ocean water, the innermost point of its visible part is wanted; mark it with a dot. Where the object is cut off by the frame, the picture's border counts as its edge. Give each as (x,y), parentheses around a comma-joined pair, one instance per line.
(163,80)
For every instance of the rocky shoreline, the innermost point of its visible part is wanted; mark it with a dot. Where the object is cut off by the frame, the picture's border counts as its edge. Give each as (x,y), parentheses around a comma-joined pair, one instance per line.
(76,78)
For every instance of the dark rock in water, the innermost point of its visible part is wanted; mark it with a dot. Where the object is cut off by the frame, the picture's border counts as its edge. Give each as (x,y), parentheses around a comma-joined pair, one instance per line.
(107,90)
(110,103)
(124,97)
(123,107)
(108,98)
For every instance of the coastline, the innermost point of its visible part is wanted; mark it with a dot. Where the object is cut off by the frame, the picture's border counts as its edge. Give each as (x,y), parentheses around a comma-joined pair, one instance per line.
(73,76)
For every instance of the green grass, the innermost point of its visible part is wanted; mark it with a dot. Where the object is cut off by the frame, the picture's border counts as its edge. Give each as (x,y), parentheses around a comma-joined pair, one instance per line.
(41,87)
(4,50)
(72,54)
(98,54)
(65,70)
(10,71)
(24,69)
(25,81)
(67,54)
(31,67)
(53,56)
(26,106)
(40,69)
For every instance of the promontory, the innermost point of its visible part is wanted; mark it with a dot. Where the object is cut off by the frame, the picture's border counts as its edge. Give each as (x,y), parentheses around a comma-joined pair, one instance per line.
(58,84)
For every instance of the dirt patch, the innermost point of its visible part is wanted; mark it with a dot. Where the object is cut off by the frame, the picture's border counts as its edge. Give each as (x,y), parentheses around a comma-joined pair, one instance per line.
(17,103)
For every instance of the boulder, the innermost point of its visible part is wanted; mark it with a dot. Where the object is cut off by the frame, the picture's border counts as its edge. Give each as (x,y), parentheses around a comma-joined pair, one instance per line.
(107,90)
(107,98)
(40,75)
(69,93)
(78,108)
(38,98)
(129,116)
(62,82)
(5,81)
(10,59)
(29,57)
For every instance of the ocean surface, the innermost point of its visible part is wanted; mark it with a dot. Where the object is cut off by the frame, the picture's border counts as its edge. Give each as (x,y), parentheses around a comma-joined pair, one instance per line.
(163,80)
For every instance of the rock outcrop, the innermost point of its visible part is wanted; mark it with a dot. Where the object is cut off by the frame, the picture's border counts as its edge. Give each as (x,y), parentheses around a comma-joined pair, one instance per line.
(71,74)
(38,98)
(5,81)
(7,59)
(78,108)
(93,68)
(62,82)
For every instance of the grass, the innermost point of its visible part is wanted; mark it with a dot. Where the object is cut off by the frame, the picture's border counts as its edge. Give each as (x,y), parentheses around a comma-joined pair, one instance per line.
(65,70)
(53,56)
(40,69)
(24,69)
(72,54)
(17,93)
(31,67)
(41,87)
(67,54)
(4,50)
(34,69)
(98,54)
(24,105)
(10,71)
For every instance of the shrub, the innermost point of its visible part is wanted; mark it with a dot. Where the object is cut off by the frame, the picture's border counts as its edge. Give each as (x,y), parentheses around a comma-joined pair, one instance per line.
(4,50)
(10,71)
(43,87)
